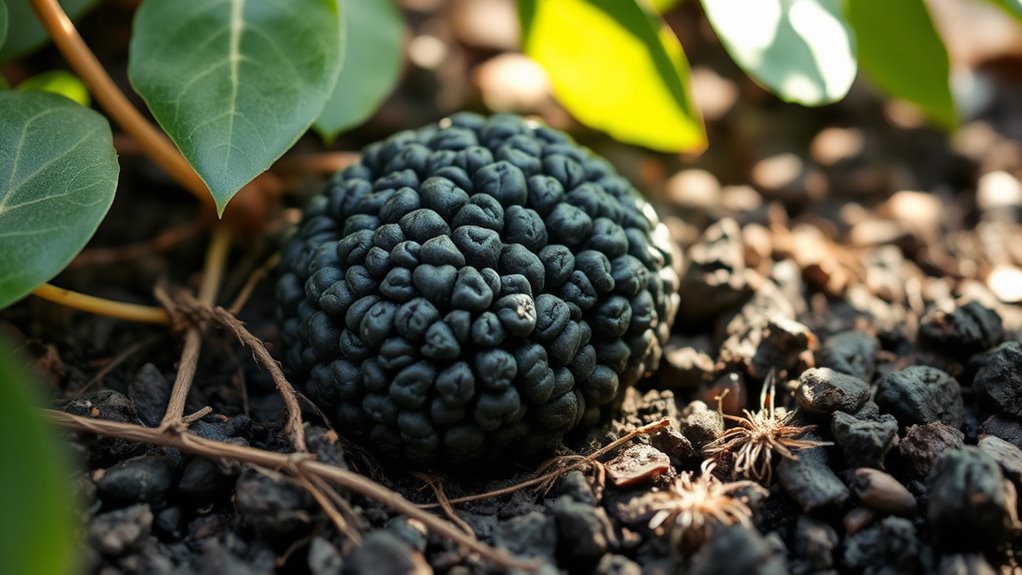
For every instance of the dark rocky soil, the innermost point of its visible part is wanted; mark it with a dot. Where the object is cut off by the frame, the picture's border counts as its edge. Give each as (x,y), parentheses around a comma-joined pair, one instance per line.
(889,317)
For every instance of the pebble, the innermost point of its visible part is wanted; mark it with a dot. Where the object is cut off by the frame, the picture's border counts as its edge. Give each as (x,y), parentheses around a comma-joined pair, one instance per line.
(693,189)
(963,331)
(891,545)
(815,542)
(823,391)
(881,491)
(865,443)
(111,406)
(324,558)
(143,478)
(637,464)
(738,550)
(700,424)
(611,564)
(575,485)
(920,395)
(967,502)
(533,534)
(786,177)
(851,352)
(202,481)
(965,565)
(716,278)
(674,444)
(117,532)
(685,366)
(1000,378)
(581,529)
(1005,282)
(1007,455)
(924,444)
(273,505)
(810,481)
(381,552)
(411,531)
(150,392)
(762,345)
(1006,428)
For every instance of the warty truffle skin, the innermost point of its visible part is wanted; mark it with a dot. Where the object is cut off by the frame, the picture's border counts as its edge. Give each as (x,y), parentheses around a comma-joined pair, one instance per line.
(473,288)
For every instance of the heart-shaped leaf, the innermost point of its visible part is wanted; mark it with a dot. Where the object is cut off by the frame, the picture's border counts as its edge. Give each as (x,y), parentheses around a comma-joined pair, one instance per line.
(26,33)
(58,174)
(903,55)
(801,50)
(235,83)
(37,526)
(375,33)
(616,68)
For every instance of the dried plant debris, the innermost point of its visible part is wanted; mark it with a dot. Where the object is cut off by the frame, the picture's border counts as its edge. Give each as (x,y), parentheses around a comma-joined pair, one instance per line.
(757,436)
(692,507)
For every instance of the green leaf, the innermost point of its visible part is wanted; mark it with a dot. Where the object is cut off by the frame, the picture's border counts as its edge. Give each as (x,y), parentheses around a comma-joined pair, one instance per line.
(902,54)
(663,6)
(37,526)
(26,33)
(235,83)
(58,174)
(375,33)
(3,23)
(615,68)
(1012,7)
(801,50)
(58,82)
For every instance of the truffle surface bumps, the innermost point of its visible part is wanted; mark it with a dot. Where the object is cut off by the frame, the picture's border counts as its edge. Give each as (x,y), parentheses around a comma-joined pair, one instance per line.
(473,288)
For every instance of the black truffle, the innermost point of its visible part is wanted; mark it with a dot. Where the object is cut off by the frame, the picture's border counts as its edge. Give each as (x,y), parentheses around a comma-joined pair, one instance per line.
(472,288)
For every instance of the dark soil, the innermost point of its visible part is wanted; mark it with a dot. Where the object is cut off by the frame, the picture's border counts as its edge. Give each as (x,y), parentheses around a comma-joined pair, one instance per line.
(890,319)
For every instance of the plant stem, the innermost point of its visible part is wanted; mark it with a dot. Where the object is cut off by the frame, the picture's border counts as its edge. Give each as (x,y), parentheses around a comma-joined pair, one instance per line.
(216,258)
(100,306)
(295,463)
(155,144)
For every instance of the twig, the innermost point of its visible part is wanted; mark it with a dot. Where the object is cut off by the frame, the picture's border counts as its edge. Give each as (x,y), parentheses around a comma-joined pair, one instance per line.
(579,462)
(101,306)
(192,418)
(191,443)
(216,257)
(328,507)
(445,503)
(161,242)
(343,507)
(253,280)
(85,64)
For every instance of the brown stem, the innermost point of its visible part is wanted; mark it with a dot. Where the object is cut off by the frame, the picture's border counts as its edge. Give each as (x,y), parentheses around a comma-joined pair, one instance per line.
(156,145)
(216,258)
(190,443)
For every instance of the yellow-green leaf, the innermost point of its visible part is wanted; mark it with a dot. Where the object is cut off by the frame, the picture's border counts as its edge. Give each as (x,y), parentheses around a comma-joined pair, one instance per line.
(58,82)
(616,68)
(37,525)
(801,50)
(900,51)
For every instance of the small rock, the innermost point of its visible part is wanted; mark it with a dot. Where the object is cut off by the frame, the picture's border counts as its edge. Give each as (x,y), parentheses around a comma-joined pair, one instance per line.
(611,564)
(324,558)
(1004,427)
(786,177)
(1000,378)
(716,277)
(685,366)
(636,464)
(967,502)
(924,444)
(275,506)
(998,189)
(728,391)
(575,485)
(965,565)
(381,552)
(850,352)
(202,481)
(144,478)
(693,189)
(581,531)
(117,532)
(411,531)
(882,492)
(168,522)
(1007,455)
(858,519)
(111,406)
(815,542)
(738,550)
(921,395)
(674,444)
(533,534)
(891,543)
(869,411)
(327,446)
(963,331)
(1005,282)
(823,391)
(810,481)
(775,344)
(150,392)
(700,424)
(865,443)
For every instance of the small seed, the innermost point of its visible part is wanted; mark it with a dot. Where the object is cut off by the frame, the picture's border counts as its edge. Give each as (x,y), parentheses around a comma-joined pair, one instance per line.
(883,492)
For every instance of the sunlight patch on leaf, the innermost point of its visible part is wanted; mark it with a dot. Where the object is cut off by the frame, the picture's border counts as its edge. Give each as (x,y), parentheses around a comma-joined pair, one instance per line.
(235,83)
(58,174)
(616,68)
(802,50)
